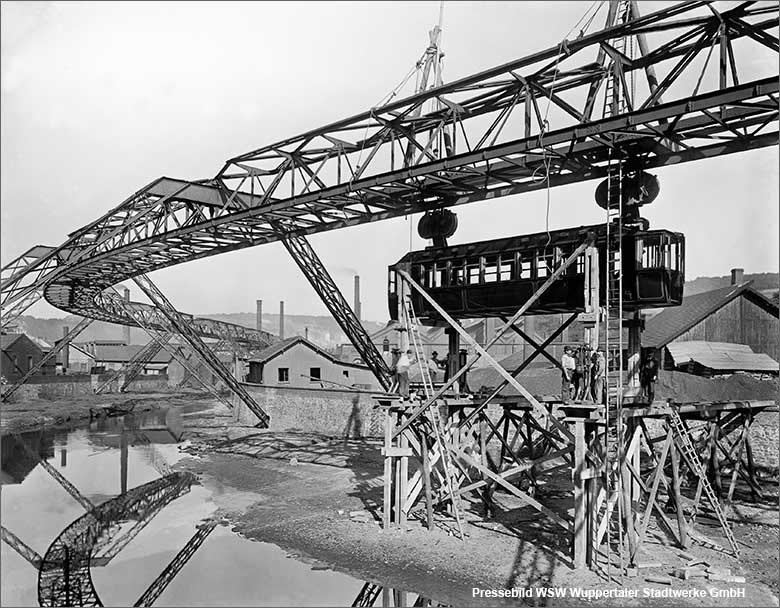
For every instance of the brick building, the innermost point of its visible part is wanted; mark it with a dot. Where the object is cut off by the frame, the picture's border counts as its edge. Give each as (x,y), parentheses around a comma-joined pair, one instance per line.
(20,355)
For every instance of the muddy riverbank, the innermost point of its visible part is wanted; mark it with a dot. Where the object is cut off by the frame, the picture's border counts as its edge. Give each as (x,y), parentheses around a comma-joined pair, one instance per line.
(269,487)
(319,498)
(22,416)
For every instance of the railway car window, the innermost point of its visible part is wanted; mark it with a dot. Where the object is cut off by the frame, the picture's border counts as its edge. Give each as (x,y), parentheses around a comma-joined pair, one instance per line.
(491,269)
(472,271)
(674,256)
(439,276)
(427,275)
(458,273)
(505,269)
(391,280)
(526,268)
(667,251)
(638,253)
(579,264)
(543,265)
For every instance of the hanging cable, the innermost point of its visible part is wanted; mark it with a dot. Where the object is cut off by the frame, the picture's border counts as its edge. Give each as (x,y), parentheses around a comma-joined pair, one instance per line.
(546,160)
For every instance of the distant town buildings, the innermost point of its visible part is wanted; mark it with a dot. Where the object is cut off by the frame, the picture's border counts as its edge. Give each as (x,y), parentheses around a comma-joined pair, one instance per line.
(100,356)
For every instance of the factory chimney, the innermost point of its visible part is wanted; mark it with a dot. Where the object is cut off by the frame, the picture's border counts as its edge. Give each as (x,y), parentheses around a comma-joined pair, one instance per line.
(126,328)
(357,297)
(737,275)
(281,320)
(65,351)
(259,315)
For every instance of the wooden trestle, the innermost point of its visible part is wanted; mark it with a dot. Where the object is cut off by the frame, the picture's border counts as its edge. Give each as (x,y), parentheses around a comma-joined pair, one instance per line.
(506,447)
(623,465)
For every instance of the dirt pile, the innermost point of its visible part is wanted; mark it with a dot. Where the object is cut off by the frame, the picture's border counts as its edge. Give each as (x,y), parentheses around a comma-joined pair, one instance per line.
(678,386)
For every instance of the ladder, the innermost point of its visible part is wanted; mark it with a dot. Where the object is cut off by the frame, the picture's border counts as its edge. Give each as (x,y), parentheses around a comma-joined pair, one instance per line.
(433,411)
(690,455)
(613,100)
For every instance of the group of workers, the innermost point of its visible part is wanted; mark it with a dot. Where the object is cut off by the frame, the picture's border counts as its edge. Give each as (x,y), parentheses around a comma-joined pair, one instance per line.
(402,362)
(584,371)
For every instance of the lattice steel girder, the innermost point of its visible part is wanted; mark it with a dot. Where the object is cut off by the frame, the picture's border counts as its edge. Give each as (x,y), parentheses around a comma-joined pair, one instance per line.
(177,563)
(58,477)
(501,170)
(64,578)
(30,259)
(520,85)
(503,136)
(22,548)
(184,329)
(314,270)
(157,326)
(65,341)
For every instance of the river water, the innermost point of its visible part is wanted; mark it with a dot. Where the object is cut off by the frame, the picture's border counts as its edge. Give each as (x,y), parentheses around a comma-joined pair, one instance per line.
(107,462)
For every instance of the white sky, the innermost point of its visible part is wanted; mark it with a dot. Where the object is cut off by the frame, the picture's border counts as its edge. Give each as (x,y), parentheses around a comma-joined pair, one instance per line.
(99,99)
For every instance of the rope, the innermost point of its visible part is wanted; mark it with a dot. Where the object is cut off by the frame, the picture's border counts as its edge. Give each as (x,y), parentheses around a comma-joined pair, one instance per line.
(546,161)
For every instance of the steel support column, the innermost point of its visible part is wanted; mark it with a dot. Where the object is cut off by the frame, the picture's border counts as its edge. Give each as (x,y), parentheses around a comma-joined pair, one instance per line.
(183,328)
(315,272)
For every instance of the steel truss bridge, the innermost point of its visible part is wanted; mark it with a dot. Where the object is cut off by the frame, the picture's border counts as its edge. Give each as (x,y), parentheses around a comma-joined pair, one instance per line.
(703,83)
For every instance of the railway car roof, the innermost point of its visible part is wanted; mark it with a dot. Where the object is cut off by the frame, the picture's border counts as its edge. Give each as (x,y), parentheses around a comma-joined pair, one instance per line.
(557,237)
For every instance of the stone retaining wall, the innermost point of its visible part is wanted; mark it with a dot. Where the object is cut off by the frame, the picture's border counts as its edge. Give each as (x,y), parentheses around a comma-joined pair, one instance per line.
(76,386)
(339,413)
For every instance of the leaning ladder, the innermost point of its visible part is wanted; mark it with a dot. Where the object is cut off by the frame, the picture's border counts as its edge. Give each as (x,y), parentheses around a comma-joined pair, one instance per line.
(690,455)
(416,341)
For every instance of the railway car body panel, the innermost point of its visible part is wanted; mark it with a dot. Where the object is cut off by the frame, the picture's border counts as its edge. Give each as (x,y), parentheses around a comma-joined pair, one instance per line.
(496,277)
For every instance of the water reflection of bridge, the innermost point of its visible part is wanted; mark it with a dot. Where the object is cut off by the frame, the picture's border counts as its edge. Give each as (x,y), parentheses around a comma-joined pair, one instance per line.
(94,539)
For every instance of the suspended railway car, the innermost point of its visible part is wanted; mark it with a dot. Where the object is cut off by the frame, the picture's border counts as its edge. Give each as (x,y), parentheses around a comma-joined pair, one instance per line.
(493,278)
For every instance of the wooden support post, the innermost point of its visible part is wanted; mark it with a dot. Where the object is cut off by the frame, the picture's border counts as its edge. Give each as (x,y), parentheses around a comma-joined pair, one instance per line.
(580,502)
(678,497)
(751,465)
(718,485)
(628,513)
(738,459)
(426,475)
(403,481)
(388,477)
(504,445)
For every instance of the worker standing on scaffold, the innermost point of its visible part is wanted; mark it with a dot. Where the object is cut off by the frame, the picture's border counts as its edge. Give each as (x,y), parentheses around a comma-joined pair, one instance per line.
(568,366)
(648,375)
(402,367)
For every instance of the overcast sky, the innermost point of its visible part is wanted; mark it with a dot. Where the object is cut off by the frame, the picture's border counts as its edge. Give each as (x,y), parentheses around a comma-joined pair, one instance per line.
(99,99)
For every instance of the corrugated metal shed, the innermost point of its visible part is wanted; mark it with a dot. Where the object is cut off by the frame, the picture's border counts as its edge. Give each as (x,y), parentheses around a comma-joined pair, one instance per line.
(721,356)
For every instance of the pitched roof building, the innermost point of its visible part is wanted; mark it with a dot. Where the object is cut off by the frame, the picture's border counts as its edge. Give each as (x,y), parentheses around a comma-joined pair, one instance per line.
(296,362)
(730,316)
(20,354)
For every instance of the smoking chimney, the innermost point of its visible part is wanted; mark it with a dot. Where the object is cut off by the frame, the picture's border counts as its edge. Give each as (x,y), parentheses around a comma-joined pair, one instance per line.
(126,328)
(281,319)
(65,351)
(357,297)
(259,315)
(737,275)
